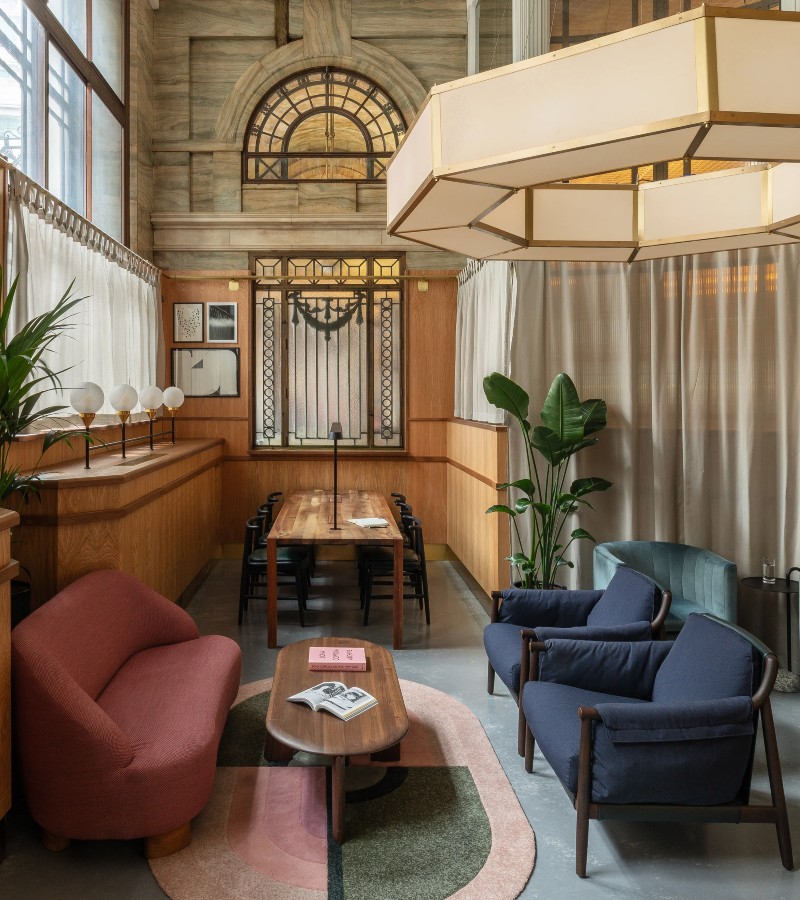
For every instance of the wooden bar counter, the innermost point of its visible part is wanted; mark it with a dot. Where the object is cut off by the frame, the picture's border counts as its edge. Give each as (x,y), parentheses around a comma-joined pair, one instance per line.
(155,514)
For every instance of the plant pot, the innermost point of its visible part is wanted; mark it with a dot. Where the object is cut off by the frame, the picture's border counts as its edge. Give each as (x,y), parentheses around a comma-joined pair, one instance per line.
(20,600)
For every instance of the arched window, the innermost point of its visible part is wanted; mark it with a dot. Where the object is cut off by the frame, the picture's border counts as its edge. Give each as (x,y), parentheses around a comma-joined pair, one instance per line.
(322,125)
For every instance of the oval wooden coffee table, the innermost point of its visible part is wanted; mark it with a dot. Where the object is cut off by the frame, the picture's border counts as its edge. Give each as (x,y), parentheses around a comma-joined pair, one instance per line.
(295,726)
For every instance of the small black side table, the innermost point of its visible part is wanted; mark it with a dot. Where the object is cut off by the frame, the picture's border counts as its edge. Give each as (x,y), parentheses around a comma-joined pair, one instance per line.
(779,586)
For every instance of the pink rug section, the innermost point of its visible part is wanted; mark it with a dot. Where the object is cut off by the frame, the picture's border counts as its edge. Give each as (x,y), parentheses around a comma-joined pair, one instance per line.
(292,848)
(241,849)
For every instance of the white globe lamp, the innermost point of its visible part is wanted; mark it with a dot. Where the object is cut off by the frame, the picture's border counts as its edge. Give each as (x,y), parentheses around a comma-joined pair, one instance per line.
(86,399)
(173,400)
(151,398)
(123,398)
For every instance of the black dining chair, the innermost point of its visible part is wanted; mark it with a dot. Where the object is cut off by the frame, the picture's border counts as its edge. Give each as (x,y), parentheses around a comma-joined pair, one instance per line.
(291,564)
(267,509)
(378,568)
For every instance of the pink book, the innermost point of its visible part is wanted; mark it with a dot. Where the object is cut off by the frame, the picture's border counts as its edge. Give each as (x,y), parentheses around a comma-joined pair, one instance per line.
(352,659)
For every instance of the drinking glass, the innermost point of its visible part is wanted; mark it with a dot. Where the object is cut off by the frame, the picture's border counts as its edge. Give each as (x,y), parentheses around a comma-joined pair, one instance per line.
(768,570)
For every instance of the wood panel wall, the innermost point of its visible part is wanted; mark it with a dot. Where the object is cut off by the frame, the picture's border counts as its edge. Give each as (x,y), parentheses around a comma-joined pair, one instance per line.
(157,520)
(8,569)
(477,462)
(249,474)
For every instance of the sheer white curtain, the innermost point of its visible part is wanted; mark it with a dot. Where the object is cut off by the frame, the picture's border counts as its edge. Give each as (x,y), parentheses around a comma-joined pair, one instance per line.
(116,335)
(697,358)
(486,297)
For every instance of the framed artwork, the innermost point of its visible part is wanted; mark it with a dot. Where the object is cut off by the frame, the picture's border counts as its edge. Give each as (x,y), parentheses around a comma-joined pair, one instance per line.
(206,372)
(187,323)
(221,323)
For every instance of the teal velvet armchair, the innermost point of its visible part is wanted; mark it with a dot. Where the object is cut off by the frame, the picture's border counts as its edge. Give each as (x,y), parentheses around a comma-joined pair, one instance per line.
(699,580)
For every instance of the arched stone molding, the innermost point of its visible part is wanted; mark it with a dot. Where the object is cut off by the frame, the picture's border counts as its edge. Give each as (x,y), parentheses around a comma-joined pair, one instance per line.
(367,60)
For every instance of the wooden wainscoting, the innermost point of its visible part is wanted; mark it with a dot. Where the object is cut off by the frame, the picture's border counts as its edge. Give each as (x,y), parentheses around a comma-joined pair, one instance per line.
(477,461)
(157,518)
(8,569)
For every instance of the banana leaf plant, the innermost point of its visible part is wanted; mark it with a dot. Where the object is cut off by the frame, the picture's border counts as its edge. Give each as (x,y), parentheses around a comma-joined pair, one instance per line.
(25,377)
(567,423)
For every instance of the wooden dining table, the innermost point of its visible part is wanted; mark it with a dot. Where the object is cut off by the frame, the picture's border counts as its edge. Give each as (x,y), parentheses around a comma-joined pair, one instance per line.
(306,517)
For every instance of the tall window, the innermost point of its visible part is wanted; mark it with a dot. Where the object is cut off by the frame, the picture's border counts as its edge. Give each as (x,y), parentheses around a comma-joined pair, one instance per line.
(62,101)
(328,348)
(322,125)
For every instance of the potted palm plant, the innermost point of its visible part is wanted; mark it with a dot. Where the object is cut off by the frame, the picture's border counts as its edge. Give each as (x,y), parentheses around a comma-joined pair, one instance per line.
(567,423)
(25,377)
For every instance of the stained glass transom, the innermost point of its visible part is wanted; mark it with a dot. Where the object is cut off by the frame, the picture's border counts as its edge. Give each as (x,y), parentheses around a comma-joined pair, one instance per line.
(322,125)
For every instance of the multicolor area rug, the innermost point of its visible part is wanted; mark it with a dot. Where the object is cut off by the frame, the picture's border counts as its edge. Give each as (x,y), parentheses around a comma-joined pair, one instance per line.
(441,822)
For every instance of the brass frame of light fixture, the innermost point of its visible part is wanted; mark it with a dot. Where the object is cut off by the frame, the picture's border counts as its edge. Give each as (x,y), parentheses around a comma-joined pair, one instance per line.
(441,196)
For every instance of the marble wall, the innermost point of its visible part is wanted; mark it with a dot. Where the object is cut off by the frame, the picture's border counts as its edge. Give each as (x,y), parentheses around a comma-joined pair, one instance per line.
(141,128)
(212,62)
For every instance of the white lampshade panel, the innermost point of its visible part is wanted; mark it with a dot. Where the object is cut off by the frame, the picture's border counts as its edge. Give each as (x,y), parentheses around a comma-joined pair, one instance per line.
(86,398)
(711,83)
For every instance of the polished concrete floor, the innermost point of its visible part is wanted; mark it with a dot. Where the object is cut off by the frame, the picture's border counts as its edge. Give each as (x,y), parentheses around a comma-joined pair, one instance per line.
(638,860)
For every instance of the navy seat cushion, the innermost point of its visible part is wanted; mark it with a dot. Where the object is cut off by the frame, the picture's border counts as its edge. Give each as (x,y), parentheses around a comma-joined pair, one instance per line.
(504,648)
(708,661)
(632,631)
(694,772)
(629,597)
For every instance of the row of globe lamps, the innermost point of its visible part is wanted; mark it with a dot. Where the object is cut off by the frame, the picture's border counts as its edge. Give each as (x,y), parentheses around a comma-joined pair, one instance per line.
(87,398)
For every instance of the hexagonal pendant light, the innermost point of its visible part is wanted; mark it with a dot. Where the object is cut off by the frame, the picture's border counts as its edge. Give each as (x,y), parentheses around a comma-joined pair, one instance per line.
(481,170)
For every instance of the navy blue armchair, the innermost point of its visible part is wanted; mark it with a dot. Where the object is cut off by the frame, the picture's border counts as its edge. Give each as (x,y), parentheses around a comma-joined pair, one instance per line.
(657,730)
(631,608)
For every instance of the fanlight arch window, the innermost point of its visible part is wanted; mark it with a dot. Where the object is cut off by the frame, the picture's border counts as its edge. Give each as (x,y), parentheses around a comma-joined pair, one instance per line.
(322,125)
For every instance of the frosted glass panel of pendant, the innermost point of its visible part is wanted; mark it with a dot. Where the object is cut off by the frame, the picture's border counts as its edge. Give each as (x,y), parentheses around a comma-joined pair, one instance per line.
(480,170)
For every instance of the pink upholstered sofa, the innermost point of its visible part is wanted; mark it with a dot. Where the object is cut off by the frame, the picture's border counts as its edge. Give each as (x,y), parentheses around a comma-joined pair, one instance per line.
(118,709)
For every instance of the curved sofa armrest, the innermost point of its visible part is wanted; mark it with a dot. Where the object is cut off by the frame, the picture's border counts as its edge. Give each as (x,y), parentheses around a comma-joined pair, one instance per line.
(696,720)
(57,722)
(632,631)
(561,609)
(624,668)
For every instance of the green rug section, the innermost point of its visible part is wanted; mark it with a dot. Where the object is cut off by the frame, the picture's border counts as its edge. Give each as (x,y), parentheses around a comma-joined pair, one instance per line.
(242,741)
(422,841)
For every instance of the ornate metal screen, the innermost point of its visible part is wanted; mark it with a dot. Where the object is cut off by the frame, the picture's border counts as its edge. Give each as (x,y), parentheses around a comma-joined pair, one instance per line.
(328,348)
(322,125)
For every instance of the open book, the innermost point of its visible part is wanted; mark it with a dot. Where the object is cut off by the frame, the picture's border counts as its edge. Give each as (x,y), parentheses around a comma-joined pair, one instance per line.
(370,522)
(336,698)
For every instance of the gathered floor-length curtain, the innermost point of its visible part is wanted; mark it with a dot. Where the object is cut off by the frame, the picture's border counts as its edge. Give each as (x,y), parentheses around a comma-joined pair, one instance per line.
(486,297)
(697,358)
(116,334)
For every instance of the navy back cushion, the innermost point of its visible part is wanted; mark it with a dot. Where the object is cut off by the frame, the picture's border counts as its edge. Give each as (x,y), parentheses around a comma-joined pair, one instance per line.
(708,661)
(629,597)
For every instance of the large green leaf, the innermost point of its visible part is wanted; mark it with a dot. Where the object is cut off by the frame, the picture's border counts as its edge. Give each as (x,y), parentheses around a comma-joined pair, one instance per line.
(507,395)
(595,415)
(562,412)
(498,507)
(523,484)
(582,486)
(548,443)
